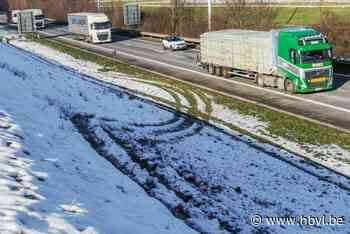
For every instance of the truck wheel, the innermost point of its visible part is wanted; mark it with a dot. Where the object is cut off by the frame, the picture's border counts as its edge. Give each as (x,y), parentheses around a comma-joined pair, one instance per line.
(289,86)
(211,69)
(259,80)
(225,72)
(218,71)
(164,48)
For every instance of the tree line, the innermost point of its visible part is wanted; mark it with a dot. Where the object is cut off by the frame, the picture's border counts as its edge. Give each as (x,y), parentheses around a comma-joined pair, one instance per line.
(180,18)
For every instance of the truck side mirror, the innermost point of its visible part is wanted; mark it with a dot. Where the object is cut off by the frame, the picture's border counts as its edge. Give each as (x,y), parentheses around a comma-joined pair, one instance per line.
(293,56)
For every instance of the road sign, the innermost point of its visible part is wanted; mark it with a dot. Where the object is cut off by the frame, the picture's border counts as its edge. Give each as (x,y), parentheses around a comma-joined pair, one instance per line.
(132,14)
(26,22)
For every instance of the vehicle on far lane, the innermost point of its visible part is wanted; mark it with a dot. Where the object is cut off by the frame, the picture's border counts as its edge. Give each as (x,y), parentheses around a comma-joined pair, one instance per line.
(173,43)
(12,16)
(39,17)
(90,27)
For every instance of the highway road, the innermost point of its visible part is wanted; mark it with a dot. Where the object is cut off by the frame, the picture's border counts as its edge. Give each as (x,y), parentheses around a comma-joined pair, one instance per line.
(330,108)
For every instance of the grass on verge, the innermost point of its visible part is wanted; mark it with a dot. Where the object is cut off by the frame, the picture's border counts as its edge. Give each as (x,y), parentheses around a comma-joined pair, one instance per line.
(280,124)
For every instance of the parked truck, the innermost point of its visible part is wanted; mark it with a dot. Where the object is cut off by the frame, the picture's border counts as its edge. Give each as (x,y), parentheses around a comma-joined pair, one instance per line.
(90,27)
(39,17)
(296,59)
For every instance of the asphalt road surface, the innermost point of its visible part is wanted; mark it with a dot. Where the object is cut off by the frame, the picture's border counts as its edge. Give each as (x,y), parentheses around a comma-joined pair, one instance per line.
(332,107)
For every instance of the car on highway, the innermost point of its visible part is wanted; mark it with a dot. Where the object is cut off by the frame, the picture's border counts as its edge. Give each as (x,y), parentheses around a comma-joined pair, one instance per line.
(173,43)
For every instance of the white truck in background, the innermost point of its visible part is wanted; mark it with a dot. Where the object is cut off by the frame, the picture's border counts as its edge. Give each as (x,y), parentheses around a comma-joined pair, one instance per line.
(39,17)
(12,16)
(90,27)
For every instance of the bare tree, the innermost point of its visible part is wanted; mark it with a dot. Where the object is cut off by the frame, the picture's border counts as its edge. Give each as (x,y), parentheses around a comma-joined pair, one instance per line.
(114,10)
(177,10)
(17,4)
(336,28)
(63,7)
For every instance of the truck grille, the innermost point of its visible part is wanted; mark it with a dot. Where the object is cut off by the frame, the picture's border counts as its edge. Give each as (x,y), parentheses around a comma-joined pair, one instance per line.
(39,24)
(317,78)
(102,37)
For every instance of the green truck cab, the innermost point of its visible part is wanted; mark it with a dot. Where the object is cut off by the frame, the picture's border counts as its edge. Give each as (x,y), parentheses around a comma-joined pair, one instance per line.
(304,60)
(294,59)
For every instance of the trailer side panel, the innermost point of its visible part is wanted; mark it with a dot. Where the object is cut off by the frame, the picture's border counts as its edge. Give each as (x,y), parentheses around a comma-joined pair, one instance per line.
(78,24)
(240,49)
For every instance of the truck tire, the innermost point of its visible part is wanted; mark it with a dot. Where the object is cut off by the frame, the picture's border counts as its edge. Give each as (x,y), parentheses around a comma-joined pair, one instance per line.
(211,69)
(260,81)
(289,86)
(218,71)
(225,72)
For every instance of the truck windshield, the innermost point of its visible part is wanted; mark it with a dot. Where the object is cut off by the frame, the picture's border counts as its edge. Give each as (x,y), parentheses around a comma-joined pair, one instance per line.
(39,17)
(102,25)
(315,56)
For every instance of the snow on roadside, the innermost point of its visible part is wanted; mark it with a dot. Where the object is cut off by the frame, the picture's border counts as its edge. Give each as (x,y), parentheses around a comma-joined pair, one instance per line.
(136,85)
(249,123)
(219,176)
(5,33)
(52,181)
(92,69)
(331,156)
(15,182)
(201,105)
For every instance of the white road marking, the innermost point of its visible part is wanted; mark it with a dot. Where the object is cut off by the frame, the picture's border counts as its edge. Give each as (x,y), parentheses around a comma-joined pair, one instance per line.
(342,75)
(241,83)
(223,79)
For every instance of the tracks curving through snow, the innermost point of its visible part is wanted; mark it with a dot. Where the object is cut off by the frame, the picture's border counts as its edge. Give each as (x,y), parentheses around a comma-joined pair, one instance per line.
(153,160)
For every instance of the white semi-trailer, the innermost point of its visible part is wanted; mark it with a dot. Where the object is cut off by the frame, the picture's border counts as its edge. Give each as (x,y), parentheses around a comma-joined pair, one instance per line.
(297,59)
(39,17)
(90,27)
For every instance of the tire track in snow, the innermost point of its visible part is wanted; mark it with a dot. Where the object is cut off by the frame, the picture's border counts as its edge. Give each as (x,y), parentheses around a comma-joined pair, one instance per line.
(195,190)
(100,138)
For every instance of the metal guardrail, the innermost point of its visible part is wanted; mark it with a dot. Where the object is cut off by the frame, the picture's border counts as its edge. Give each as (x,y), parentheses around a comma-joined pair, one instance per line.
(194,41)
(342,60)
(161,36)
(342,66)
